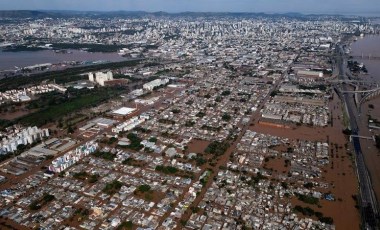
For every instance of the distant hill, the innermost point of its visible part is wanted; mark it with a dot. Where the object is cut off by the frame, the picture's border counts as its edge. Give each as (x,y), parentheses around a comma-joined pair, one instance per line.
(102,14)
(23,14)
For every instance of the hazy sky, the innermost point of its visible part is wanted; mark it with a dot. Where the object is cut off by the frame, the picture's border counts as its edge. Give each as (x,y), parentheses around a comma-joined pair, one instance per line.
(269,6)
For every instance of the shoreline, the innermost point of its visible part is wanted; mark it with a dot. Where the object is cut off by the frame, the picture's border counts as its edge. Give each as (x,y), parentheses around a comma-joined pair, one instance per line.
(15,61)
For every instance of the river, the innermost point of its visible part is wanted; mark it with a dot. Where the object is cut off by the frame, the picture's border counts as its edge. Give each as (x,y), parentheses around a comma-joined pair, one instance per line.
(369,45)
(9,60)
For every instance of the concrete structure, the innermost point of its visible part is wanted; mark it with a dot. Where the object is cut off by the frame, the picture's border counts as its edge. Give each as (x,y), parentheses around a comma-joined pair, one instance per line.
(303,73)
(70,158)
(130,124)
(123,111)
(156,83)
(100,77)
(22,137)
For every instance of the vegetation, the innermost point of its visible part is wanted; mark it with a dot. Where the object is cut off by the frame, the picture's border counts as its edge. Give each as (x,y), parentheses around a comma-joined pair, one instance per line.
(200,114)
(153,139)
(174,171)
(189,123)
(176,111)
(211,128)
(112,187)
(226,93)
(166,121)
(274,93)
(81,213)
(104,155)
(218,99)
(81,175)
(135,142)
(199,160)
(62,76)
(144,191)
(310,212)
(195,209)
(125,226)
(377,138)
(144,188)
(89,47)
(91,178)
(133,162)
(69,104)
(205,179)
(305,211)
(112,140)
(20,48)
(347,132)
(308,185)
(38,204)
(307,199)
(255,179)
(217,148)
(166,169)
(284,185)
(226,117)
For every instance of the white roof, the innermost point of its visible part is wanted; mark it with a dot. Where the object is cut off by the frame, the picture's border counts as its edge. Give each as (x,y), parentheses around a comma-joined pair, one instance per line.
(123,111)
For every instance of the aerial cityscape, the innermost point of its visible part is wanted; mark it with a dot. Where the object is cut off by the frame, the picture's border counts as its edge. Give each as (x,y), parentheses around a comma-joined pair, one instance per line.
(178,115)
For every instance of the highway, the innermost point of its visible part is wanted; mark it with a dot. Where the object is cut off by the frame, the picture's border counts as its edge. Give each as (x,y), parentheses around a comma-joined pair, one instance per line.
(368,202)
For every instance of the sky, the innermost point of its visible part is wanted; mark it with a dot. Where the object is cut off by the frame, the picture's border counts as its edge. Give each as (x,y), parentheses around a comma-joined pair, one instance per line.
(267,6)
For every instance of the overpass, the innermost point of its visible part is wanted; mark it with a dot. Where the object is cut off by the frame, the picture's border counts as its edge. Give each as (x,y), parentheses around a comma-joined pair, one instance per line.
(367,202)
(366,57)
(367,95)
(345,81)
(363,91)
(362,137)
(370,95)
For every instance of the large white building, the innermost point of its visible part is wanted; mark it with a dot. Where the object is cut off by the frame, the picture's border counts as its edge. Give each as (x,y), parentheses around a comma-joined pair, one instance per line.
(158,82)
(100,77)
(22,137)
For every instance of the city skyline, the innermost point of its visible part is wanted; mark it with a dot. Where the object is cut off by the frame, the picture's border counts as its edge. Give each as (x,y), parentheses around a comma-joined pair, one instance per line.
(367,7)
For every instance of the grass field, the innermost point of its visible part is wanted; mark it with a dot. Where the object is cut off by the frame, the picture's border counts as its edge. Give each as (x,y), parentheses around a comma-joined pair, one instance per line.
(55,112)
(62,76)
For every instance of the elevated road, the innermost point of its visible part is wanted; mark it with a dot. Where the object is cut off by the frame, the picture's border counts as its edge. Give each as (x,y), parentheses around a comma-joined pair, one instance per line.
(363,91)
(366,57)
(368,202)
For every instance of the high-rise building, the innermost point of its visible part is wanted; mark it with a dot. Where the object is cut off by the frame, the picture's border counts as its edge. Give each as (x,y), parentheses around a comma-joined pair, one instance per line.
(100,77)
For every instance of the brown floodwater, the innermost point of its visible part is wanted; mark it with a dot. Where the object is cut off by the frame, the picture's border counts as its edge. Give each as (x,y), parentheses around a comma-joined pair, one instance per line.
(339,173)
(369,45)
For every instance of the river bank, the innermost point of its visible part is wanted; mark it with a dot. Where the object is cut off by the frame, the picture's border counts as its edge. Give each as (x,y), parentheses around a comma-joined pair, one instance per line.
(16,60)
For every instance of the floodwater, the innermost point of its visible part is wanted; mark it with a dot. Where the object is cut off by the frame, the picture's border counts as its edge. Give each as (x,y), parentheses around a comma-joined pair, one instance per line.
(339,172)
(9,60)
(369,45)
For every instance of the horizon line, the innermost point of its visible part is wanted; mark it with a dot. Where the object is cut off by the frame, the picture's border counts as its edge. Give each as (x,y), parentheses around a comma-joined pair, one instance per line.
(359,13)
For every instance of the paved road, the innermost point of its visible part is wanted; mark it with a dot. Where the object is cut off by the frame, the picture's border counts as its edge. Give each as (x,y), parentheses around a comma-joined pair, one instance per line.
(368,203)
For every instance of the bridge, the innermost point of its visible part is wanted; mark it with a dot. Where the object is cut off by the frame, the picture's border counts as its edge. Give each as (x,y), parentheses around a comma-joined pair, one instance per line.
(367,95)
(362,137)
(363,91)
(370,95)
(366,57)
(345,81)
